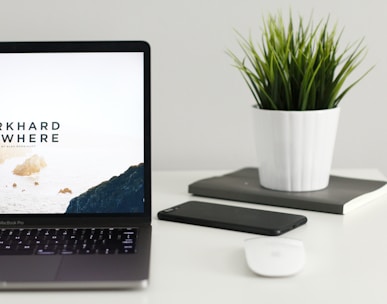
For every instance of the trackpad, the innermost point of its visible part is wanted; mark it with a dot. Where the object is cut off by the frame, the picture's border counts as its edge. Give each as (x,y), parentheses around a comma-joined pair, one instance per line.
(29,268)
(94,267)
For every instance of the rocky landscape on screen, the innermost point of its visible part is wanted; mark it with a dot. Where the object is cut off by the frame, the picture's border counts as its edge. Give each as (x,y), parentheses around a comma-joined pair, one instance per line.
(123,193)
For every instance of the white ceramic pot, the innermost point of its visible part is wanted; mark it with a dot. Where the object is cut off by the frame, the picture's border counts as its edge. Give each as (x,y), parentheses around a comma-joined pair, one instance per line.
(295,148)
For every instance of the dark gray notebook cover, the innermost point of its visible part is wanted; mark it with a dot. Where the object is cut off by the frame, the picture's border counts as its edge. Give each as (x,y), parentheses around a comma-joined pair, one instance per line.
(243,185)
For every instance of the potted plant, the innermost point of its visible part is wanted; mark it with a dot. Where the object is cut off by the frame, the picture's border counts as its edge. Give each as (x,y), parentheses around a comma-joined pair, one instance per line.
(296,75)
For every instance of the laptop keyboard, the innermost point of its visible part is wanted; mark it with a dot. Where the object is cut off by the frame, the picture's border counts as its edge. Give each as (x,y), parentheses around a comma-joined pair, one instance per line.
(67,241)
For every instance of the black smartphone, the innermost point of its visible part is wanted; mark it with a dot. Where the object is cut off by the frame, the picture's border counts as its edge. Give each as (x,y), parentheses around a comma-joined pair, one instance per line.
(233,218)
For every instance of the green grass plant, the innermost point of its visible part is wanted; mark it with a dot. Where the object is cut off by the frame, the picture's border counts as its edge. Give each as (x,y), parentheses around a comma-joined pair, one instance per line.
(298,67)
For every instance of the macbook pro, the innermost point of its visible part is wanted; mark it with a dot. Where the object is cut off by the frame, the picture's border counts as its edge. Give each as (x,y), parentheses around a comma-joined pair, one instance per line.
(75,172)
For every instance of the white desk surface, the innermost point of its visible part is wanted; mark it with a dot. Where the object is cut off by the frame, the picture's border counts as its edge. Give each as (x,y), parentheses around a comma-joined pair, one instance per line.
(346,258)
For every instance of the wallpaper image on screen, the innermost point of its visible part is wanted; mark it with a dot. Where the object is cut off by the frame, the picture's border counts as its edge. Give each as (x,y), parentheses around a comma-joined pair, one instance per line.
(71,133)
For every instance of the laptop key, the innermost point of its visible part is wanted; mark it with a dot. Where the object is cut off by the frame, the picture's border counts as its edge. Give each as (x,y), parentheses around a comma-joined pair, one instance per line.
(16,252)
(86,251)
(126,249)
(67,252)
(45,252)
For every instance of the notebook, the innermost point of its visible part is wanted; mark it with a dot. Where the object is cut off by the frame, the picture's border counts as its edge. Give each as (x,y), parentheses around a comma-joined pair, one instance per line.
(341,196)
(75,172)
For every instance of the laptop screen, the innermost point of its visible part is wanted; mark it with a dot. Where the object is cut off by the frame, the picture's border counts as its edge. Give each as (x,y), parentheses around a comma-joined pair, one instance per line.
(74,128)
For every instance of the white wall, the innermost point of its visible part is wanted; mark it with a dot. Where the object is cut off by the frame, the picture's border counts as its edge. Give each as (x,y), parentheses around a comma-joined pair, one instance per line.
(201,106)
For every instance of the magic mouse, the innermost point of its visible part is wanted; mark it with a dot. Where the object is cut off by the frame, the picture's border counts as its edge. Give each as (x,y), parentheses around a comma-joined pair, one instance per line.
(274,256)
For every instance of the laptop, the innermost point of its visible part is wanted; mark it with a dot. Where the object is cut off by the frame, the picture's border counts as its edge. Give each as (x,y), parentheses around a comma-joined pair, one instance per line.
(75,171)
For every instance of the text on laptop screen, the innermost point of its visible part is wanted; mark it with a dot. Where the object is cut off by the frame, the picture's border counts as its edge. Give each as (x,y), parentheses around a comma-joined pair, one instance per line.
(71,133)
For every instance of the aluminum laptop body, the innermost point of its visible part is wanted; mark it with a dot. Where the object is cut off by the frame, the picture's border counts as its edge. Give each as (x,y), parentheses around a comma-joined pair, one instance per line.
(74,155)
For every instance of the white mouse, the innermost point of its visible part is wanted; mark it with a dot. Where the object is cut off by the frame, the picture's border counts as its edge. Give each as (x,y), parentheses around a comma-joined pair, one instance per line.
(275,256)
